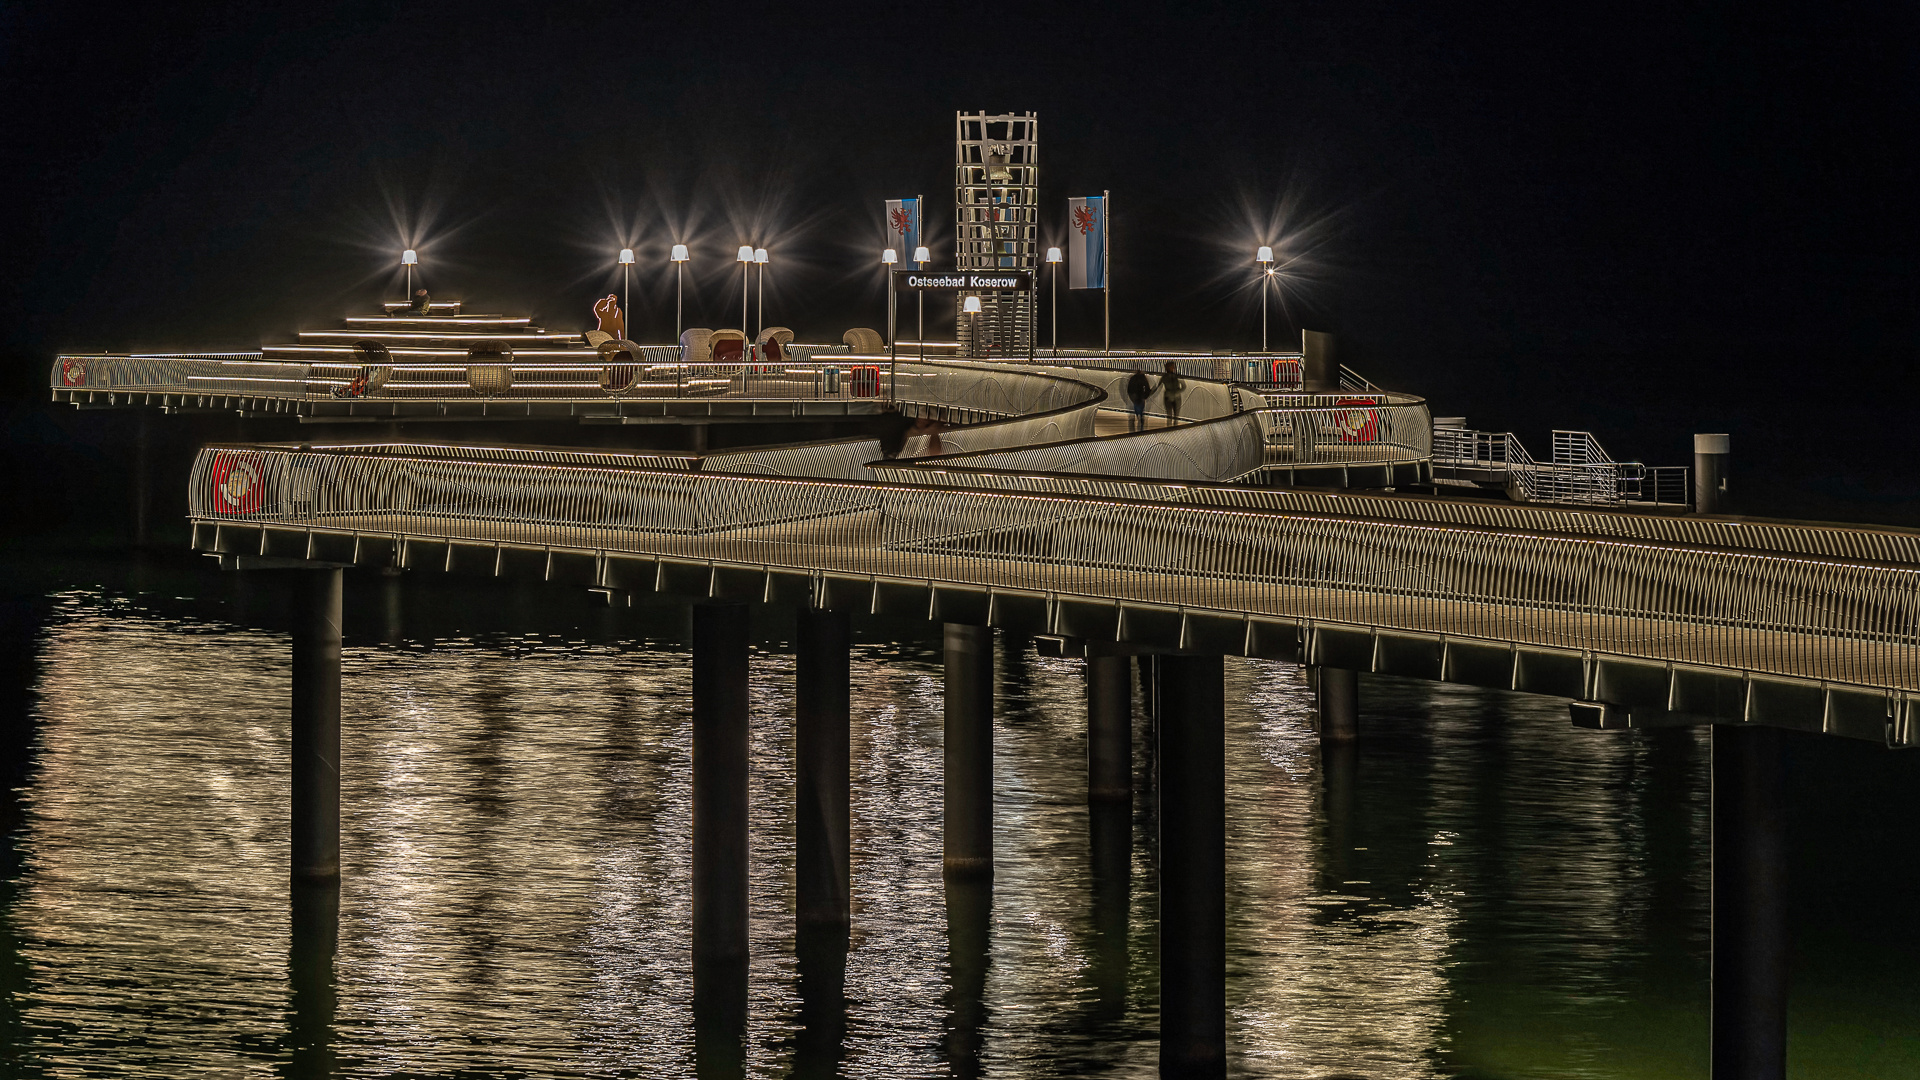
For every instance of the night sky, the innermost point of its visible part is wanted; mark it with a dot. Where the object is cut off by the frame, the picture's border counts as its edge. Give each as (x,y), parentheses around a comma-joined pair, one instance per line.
(1642,220)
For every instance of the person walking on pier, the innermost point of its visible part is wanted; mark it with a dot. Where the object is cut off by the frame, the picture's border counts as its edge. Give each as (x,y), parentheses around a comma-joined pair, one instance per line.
(1139,387)
(1172,389)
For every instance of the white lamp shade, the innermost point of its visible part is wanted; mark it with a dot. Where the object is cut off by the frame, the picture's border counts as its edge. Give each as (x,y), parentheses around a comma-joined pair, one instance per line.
(408,258)
(759,255)
(889,256)
(746,253)
(1053,254)
(922,255)
(971,306)
(1265,255)
(626,256)
(679,253)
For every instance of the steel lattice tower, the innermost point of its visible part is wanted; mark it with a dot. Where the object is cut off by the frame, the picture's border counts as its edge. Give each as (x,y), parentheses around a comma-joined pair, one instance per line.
(996,195)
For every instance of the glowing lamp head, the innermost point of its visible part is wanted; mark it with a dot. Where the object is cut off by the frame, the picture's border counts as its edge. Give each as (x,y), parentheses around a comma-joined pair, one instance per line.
(746,253)
(1264,255)
(679,253)
(760,255)
(889,256)
(922,255)
(971,305)
(1053,255)
(408,258)
(626,256)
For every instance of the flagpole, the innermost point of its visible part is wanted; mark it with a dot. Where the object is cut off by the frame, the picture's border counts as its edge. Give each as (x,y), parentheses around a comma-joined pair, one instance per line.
(1106,268)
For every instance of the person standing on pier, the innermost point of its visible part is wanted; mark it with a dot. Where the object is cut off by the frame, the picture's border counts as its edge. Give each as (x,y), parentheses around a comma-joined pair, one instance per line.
(1172,389)
(1139,387)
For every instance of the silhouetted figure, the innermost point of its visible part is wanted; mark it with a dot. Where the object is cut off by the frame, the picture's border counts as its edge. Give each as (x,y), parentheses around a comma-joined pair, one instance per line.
(422,303)
(1139,388)
(891,427)
(1172,389)
(613,321)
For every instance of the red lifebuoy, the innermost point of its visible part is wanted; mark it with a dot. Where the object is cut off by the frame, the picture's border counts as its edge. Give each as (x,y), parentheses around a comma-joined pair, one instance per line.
(1360,422)
(73,371)
(239,482)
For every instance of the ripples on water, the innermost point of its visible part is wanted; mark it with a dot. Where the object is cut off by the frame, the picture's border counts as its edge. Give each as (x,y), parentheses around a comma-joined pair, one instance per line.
(1478,889)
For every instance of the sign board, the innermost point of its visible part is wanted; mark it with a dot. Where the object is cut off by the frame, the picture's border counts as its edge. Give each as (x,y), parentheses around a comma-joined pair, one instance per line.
(984,280)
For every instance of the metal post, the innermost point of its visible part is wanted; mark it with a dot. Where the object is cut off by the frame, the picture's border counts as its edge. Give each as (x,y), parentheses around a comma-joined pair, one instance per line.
(1109,729)
(1749,905)
(1055,288)
(1266,279)
(1336,699)
(760,300)
(922,294)
(893,306)
(1193,850)
(1710,454)
(822,815)
(719,832)
(679,299)
(316,723)
(626,300)
(743,298)
(968,848)
(1106,272)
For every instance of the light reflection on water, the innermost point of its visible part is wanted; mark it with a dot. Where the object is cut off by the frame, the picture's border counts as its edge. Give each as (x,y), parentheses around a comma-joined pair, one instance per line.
(516,824)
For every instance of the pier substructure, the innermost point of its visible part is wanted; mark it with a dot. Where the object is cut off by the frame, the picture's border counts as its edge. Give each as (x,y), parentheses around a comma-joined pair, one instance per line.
(1750,937)
(313,940)
(1336,700)
(315,596)
(1109,729)
(822,821)
(719,836)
(968,846)
(1193,857)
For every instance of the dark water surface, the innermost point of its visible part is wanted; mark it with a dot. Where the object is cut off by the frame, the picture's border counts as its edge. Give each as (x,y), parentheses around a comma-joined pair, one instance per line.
(1477,890)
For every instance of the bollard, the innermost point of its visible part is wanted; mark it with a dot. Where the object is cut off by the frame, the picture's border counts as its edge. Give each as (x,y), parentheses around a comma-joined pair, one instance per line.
(1193,853)
(968,842)
(1710,474)
(316,723)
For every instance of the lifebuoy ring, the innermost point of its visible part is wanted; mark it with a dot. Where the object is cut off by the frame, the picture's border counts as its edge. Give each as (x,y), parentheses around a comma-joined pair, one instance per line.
(239,482)
(1360,422)
(73,371)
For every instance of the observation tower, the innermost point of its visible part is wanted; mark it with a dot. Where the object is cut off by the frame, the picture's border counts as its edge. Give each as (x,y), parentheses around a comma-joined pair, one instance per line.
(996,194)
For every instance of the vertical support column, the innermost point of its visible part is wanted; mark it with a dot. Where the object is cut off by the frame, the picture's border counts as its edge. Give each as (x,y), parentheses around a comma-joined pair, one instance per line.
(1109,729)
(1749,905)
(1710,453)
(968,849)
(142,479)
(316,723)
(719,837)
(1336,698)
(313,940)
(822,819)
(1193,864)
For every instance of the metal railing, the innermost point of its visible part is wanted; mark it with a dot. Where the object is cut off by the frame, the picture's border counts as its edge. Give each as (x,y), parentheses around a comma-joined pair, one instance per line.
(1799,616)
(1580,473)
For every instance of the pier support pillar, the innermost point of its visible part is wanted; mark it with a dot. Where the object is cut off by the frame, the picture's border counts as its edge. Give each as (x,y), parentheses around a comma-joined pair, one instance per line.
(1109,729)
(1336,700)
(142,480)
(1193,860)
(1710,453)
(968,847)
(719,837)
(1749,905)
(316,723)
(822,819)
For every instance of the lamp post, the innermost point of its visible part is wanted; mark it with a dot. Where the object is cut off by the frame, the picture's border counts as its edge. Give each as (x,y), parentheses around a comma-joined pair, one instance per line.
(626,290)
(746,260)
(760,304)
(1053,260)
(971,308)
(407,259)
(921,257)
(1265,258)
(679,259)
(888,257)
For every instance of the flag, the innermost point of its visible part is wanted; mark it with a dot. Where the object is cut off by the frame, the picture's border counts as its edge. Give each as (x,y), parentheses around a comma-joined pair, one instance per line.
(1087,242)
(903,228)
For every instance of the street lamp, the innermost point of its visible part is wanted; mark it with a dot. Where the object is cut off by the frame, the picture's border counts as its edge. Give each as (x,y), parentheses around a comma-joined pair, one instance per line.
(407,259)
(679,259)
(626,290)
(1053,259)
(888,257)
(746,260)
(921,257)
(1265,258)
(971,308)
(760,304)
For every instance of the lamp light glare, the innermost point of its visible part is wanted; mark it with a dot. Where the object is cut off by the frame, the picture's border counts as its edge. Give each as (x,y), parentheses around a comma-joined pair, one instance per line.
(1264,255)
(626,256)
(971,306)
(889,256)
(1053,255)
(760,255)
(746,253)
(922,255)
(408,258)
(679,253)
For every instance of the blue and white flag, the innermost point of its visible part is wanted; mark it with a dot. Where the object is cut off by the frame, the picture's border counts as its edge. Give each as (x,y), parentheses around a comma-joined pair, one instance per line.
(903,228)
(1087,242)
